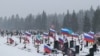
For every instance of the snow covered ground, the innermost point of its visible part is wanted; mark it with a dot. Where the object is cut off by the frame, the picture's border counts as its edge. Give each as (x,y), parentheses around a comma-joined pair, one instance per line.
(11,50)
(7,50)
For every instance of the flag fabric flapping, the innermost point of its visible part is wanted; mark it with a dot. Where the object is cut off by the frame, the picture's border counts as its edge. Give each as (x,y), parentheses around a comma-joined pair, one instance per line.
(52,30)
(38,41)
(88,37)
(97,35)
(66,31)
(75,35)
(45,34)
(61,41)
(27,34)
(47,49)
(91,33)
(51,33)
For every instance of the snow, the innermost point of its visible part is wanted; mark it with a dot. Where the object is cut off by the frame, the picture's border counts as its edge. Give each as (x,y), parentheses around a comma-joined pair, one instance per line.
(11,50)
(7,50)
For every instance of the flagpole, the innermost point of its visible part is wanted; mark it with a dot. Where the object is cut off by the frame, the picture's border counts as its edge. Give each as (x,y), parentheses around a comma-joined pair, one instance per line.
(48,39)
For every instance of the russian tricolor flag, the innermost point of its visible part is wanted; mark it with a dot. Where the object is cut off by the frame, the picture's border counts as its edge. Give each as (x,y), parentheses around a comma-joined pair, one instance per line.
(45,34)
(75,35)
(47,49)
(91,33)
(38,41)
(61,40)
(88,37)
(27,34)
(52,30)
(66,31)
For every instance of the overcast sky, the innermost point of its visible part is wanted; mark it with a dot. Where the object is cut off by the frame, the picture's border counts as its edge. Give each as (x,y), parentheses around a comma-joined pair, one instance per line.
(25,7)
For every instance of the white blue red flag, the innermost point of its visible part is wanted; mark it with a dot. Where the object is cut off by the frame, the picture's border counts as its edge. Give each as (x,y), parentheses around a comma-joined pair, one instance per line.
(88,37)
(28,34)
(61,41)
(45,34)
(51,32)
(75,35)
(91,33)
(38,41)
(47,49)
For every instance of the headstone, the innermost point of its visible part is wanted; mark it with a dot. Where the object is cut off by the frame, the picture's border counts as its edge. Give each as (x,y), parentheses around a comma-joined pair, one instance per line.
(77,49)
(65,48)
(91,52)
(94,47)
(71,44)
(56,45)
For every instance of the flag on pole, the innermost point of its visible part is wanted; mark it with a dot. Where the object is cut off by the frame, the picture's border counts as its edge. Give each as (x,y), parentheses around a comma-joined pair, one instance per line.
(52,32)
(28,34)
(66,31)
(45,34)
(61,40)
(88,37)
(38,41)
(75,35)
(47,49)
(91,33)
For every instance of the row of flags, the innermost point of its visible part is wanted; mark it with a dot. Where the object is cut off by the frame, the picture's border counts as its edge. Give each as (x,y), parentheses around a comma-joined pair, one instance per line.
(88,37)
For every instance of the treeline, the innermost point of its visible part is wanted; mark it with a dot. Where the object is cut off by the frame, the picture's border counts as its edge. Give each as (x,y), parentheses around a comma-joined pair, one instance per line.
(82,21)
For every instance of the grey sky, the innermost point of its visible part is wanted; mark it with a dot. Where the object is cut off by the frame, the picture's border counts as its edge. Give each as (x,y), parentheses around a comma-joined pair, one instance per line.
(25,7)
